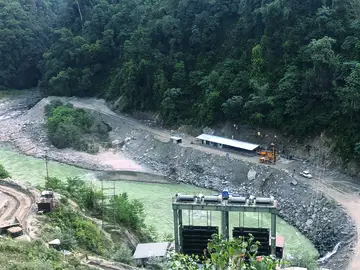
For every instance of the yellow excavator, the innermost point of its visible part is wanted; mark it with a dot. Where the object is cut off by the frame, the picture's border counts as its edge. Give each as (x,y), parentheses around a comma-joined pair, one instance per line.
(269,156)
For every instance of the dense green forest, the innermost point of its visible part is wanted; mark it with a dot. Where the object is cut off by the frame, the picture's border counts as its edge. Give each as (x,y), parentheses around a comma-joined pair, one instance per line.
(26,28)
(288,64)
(75,128)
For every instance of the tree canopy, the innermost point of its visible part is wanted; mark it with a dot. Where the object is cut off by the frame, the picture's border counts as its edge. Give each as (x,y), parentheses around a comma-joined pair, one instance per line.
(25,30)
(76,128)
(293,65)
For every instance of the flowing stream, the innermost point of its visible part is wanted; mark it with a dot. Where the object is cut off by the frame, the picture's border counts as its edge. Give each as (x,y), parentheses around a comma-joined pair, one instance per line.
(155,197)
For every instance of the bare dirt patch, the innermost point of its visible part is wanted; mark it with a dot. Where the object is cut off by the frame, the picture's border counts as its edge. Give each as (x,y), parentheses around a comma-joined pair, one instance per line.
(20,205)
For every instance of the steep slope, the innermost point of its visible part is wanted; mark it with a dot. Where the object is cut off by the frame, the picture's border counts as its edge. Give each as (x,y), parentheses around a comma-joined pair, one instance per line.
(293,65)
(25,31)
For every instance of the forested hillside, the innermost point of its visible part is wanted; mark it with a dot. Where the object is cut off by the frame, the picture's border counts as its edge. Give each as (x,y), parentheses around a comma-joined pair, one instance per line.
(288,64)
(25,29)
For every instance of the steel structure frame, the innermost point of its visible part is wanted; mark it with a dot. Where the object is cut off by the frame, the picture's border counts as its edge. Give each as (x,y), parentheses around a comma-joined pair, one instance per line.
(104,204)
(224,207)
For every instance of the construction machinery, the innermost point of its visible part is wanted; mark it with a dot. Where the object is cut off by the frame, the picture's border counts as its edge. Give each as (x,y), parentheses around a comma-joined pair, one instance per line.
(46,202)
(269,156)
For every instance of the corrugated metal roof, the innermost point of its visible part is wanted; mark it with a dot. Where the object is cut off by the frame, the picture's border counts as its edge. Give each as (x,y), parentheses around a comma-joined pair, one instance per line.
(148,250)
(228,142)
(54,242)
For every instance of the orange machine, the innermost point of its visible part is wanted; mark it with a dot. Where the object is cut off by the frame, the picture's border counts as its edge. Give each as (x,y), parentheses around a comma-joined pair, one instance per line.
(269,156)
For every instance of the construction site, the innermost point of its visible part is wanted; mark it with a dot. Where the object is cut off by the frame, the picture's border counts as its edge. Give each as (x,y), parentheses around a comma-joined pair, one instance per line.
(20,205)
(320,207)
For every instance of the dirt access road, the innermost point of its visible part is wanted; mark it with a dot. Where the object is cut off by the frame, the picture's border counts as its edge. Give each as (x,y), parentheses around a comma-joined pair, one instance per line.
(15,204)
(160,134)
(347,194)
(344,192)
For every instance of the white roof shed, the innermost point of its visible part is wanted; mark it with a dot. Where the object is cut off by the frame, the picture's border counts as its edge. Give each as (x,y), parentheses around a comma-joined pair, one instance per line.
(228,142)
(149,250)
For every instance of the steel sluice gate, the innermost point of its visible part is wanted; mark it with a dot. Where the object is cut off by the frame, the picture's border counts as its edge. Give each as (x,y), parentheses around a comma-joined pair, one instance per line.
(194,239)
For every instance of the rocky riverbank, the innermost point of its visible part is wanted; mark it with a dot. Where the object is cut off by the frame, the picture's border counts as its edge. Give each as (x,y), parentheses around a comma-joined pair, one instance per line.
(24,131)
(319,218)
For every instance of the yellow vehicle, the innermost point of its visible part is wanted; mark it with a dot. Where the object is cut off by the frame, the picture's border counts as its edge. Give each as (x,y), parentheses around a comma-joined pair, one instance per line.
(269,156)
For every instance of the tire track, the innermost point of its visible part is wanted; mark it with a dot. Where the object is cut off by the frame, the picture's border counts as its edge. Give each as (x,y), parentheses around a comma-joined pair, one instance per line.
(11,206)
(19,205)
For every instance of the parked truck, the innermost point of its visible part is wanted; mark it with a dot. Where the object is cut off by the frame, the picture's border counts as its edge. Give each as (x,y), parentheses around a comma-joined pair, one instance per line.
(46,202)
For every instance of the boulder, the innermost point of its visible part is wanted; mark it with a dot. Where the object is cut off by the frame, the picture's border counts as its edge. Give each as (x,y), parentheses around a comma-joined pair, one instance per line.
(115,143)
(309,222)
(251,175)
(294,182)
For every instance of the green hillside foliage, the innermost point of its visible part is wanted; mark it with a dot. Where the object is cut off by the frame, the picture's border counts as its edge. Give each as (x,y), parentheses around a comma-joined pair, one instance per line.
(237,253)
(293,65)
(76,128)
(77,231)
(128,213)
(25,29)
(3,173)
(34,256)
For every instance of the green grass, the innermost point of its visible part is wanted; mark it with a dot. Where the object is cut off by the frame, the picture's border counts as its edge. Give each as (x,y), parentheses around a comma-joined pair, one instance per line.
(75,231)
(3,173)
(34,256)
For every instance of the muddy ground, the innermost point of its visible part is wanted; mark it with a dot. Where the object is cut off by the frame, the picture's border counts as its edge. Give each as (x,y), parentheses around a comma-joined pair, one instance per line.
(302,204)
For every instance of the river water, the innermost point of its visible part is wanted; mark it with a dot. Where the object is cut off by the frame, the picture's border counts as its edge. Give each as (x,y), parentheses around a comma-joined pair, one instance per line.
(155,197)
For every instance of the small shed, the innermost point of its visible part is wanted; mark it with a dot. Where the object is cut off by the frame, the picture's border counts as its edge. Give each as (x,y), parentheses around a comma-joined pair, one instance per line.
(175,139)
(54,244)
(150,251)
(280,241)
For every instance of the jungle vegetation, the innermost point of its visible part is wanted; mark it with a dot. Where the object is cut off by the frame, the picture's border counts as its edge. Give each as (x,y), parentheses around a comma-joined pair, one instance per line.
(76,128)
(293,65)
